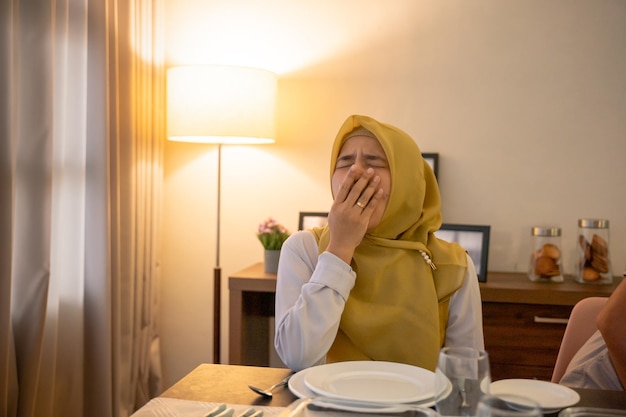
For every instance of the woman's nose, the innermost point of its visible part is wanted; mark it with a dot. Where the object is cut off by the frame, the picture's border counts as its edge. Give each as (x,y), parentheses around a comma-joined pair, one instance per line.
(361,165)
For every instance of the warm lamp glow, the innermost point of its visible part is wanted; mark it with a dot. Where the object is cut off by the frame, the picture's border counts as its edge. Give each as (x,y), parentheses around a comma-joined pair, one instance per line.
(221,104)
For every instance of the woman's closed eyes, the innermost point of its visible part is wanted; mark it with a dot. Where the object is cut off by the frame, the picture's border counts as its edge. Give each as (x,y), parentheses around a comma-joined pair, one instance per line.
(368,160)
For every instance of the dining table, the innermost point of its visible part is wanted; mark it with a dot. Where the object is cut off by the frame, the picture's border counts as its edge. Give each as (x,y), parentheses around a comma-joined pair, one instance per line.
(210,385)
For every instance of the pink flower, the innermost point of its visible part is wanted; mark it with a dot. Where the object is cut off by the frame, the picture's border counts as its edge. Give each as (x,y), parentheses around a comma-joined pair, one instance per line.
(272,234)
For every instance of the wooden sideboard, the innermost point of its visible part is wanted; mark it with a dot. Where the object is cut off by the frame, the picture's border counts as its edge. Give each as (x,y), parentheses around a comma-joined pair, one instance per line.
(523,321)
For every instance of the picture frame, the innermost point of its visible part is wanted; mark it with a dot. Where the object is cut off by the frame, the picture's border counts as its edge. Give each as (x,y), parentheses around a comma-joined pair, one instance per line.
(310,219)
(474,239)
(433,160)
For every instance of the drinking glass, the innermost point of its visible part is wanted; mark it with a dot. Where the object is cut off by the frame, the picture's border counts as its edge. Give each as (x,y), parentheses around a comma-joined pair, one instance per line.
(461,378)
(508,405)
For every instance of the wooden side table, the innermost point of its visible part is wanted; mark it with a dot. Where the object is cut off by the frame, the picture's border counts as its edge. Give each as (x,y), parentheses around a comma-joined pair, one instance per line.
(252,298)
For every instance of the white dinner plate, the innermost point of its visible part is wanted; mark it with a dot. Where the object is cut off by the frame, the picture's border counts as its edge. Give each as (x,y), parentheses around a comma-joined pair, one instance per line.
(298,387)
(551,397)
(376,381)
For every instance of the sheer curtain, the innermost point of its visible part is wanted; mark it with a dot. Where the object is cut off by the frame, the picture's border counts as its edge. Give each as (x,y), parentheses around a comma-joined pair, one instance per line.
(81,134)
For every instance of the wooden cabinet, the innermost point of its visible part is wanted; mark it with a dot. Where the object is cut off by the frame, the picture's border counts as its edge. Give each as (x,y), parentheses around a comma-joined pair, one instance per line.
(524,321)
(519,346)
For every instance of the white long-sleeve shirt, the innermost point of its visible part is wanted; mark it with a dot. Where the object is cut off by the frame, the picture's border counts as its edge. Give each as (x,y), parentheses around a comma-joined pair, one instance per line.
(313,288)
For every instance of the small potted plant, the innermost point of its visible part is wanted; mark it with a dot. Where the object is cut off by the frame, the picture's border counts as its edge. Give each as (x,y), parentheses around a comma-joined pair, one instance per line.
(272,235)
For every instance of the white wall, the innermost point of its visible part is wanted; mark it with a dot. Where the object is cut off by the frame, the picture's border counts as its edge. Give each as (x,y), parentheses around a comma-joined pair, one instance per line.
(525,102)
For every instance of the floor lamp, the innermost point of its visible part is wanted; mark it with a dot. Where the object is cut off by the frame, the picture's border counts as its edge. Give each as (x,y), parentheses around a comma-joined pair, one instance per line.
(220,105)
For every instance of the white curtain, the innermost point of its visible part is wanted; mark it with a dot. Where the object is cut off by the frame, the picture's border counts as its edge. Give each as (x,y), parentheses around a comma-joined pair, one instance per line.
(81,142)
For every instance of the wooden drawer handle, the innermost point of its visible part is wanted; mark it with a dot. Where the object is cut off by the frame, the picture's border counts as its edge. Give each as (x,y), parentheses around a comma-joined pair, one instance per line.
(551,320)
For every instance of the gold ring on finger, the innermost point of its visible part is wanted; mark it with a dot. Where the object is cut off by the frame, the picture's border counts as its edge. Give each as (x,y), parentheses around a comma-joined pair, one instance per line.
(358,203)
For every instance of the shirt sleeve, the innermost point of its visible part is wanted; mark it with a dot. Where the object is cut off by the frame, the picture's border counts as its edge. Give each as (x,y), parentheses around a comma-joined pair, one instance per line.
(465,316)
(591,367)
(311,292)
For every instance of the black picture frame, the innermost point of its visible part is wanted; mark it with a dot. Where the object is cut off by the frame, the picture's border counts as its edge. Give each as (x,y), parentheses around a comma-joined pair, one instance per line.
(474,239)
(309,219)
(433,161)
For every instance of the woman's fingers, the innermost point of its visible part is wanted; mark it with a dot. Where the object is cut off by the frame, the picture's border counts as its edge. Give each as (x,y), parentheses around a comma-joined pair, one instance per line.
(357,196)
(354,184)
(352,208)
(366,200)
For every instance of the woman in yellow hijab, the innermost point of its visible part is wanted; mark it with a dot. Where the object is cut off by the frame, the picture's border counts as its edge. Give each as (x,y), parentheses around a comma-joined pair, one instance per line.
(375,283)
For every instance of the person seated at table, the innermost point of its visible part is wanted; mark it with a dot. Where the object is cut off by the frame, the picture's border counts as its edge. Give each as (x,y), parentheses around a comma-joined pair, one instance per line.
(601,361)
(375,283)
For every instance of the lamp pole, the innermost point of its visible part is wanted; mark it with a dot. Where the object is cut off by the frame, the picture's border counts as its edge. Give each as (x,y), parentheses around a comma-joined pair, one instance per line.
(217,271)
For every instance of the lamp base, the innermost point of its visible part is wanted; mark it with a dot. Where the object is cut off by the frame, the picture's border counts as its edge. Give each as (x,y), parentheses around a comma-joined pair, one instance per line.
(217,308)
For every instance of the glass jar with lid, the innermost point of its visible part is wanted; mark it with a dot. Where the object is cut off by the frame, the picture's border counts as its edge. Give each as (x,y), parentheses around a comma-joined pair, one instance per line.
(545,259)
(594,263)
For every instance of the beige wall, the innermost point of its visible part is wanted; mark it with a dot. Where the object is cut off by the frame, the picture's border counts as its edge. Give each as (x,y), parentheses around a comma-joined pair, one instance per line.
(525,101)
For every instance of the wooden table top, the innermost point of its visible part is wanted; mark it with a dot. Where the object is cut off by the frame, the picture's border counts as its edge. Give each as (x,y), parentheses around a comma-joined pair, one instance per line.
(229,384)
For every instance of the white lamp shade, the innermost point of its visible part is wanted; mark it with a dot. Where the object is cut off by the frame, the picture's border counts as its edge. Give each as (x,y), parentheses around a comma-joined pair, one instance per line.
(221,104)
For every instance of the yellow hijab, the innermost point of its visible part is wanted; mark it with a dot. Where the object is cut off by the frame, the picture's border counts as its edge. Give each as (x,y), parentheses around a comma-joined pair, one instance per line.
(397,310)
